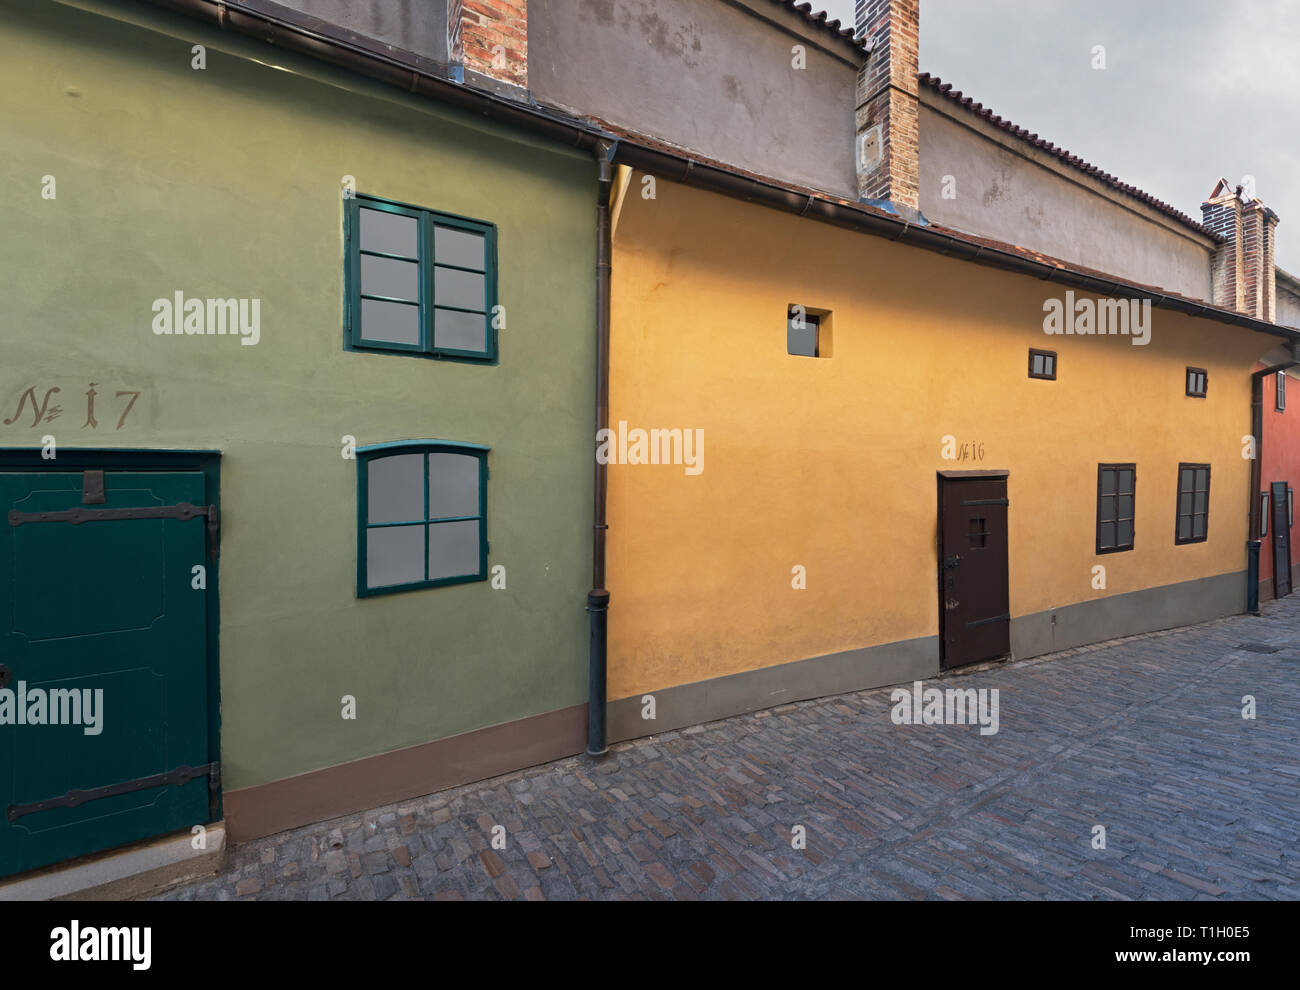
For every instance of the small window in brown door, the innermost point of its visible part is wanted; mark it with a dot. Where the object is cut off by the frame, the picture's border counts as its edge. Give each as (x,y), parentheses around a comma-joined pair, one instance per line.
(1116,492)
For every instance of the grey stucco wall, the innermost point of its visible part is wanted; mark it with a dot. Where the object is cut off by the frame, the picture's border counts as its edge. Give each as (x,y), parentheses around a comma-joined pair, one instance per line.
(715,76)
(418,26)
(1288,303)
(1009,197)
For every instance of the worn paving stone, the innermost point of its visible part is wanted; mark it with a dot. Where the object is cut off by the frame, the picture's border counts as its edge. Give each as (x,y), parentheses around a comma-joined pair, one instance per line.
(1143,737)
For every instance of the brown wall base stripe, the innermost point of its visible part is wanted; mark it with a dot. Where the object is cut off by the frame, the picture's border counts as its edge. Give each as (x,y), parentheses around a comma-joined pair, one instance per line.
(265,809)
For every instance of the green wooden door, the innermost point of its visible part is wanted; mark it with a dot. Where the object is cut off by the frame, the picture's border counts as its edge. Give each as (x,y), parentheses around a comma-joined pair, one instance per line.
(105,609)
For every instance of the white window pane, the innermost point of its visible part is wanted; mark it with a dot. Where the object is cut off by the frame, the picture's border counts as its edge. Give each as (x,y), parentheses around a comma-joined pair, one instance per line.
(458,247)
(396,323)
(395,489)
(453,485)
(461,331)
(453,549)
(394,555)
(390,233)
(390,277)
(464,290)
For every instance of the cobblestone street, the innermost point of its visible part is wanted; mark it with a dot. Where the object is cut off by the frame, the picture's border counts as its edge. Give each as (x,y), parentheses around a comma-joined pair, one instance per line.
(1143,736)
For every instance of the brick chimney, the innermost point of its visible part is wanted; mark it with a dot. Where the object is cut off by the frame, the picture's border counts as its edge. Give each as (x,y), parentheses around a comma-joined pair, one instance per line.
(493,38)
(888,108)
(1243,273)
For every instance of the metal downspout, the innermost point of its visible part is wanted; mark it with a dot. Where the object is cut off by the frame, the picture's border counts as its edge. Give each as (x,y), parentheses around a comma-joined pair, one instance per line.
(598,597)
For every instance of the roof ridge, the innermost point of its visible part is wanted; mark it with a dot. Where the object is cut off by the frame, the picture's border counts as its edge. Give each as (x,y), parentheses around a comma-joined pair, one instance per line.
(848,34)
(946,90)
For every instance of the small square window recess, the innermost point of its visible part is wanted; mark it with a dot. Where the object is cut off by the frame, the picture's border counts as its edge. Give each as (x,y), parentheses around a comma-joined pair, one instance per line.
(1042,364)
(1197,382)
(808,332)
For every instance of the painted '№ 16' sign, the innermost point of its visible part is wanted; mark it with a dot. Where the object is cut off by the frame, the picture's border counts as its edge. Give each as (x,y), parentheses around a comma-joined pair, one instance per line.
(43,406)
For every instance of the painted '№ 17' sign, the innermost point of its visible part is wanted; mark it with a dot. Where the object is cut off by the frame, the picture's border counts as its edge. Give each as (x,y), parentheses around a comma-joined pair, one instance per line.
(43,406)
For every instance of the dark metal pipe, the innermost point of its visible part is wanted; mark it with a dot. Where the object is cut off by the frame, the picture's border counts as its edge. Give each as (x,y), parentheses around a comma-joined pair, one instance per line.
(597,616)
(1252,577)
(598,597)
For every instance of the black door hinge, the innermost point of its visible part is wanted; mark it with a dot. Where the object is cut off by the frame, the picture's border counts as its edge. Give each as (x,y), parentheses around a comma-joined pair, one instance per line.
(182,511)
(171,778)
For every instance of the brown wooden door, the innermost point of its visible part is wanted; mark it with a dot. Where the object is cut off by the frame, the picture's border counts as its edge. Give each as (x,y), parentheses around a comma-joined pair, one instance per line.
(1281,523)
(974,600)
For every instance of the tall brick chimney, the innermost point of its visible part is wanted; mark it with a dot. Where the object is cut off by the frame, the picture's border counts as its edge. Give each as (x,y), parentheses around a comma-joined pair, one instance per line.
(1244,276)
(494,38)
(888,108)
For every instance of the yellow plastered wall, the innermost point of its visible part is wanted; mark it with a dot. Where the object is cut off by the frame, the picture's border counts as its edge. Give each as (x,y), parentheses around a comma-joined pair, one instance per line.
(830,464)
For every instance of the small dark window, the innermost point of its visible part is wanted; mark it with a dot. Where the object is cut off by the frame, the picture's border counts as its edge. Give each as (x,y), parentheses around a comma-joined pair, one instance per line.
(806,332)
(1116,488)
(977,534)
(1042,364)
(1193,503)
(1281,391)
(1197,381)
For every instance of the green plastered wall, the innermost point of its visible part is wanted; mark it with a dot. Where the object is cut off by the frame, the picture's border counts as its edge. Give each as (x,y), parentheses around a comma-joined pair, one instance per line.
(226,182)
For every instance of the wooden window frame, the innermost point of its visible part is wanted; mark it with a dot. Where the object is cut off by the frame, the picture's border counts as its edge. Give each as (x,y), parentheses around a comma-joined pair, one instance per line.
(378,451)
(1033,353)
(1193,491)
(427,220)
(1205,383)
(1101,470)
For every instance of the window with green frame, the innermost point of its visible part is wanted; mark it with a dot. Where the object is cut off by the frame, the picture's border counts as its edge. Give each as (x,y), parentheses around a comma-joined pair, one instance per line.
(421,515)
(419,282)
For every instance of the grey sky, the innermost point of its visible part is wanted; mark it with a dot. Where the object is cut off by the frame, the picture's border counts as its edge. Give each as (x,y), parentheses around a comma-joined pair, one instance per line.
(1193,89)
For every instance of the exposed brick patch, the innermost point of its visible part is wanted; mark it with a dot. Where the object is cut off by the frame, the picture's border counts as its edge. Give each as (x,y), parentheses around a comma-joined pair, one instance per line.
(494,39)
